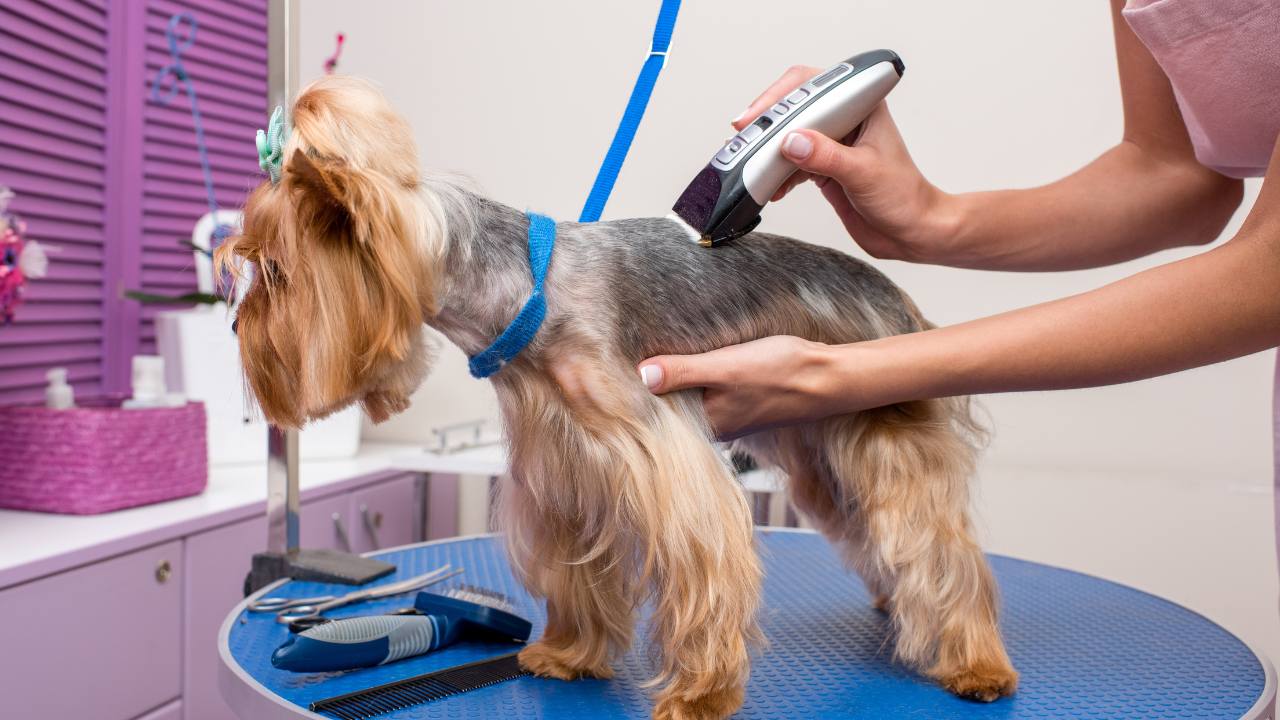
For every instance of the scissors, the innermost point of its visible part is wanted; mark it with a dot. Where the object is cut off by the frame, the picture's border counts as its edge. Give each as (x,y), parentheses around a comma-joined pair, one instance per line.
(294,609)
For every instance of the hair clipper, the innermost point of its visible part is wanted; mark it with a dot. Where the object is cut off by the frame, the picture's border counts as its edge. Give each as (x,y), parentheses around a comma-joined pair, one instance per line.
(725,199)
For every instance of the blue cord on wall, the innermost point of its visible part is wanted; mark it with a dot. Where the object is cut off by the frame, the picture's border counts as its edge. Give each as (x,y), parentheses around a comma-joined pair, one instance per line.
(165,86)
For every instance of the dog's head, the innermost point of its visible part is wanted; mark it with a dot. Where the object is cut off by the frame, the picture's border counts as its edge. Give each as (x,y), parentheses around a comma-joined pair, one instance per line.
(342,255)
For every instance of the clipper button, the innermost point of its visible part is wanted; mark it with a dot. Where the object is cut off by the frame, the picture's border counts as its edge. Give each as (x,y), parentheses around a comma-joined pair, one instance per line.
(781,109)
(751,132)
(725,156)
(798,96)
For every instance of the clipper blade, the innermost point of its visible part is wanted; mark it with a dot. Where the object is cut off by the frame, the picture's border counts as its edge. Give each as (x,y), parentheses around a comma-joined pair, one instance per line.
(694,235)
(697,202)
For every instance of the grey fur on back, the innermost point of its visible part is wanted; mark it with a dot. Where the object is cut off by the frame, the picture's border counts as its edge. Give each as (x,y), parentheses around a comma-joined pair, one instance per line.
(642,288)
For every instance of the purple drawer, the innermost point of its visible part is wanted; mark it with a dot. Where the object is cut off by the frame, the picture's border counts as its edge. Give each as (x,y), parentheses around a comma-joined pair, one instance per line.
(101,641)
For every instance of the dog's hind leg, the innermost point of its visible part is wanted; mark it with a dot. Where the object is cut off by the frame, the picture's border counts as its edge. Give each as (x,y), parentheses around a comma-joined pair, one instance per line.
(890,488)
(909,466)
(815,490)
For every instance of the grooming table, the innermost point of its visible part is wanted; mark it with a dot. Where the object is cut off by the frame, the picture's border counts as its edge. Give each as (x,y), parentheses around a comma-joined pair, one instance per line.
(1086,648)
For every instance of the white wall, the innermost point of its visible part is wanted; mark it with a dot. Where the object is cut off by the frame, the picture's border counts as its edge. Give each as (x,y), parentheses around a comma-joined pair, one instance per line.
(524,97)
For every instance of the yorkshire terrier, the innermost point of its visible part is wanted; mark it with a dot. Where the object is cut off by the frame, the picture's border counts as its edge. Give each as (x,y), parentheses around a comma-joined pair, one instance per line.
(616,497)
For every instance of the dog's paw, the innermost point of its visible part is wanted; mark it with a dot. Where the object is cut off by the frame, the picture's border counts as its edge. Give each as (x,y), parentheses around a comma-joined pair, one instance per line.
(983,684)
(713,706)
(548,661)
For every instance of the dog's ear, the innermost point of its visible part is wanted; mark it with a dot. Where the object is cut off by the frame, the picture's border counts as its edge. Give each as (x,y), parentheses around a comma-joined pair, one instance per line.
(322,192)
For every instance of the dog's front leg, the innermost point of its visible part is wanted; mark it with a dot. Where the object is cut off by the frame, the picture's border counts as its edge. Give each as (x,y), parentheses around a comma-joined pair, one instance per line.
(618,496)
(705,573)
(586,581)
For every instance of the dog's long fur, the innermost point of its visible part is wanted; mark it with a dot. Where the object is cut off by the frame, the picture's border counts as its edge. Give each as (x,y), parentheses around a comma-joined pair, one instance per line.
(616,496)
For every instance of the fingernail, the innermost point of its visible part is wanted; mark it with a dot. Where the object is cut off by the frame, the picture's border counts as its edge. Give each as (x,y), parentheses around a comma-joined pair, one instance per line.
(651,376)
(797,146)
(738,119)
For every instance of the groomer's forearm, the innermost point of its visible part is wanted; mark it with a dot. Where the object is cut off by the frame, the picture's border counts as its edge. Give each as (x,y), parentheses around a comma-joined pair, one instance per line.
(1212,307)
(1127,203)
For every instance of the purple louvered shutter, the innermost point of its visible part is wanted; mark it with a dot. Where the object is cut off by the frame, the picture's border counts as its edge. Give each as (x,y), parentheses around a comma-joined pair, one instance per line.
(53,99)
(228,65)
(109,180)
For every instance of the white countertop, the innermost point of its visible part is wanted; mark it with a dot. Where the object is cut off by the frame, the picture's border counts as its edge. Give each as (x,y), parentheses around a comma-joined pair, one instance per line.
(34,544)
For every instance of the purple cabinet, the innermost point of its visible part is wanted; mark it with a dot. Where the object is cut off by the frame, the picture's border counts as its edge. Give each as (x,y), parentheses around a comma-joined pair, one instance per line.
(135,637)
(383,516)
(102,641)
(172,711)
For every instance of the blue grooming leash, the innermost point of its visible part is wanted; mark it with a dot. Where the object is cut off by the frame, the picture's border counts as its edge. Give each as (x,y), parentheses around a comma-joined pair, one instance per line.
(631,117)
(542,229)
(169,77)
(542,238)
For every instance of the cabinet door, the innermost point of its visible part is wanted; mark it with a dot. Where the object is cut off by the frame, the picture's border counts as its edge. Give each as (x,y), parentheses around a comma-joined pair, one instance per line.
(100,641)
(218,561)
(385,515)
(172,711)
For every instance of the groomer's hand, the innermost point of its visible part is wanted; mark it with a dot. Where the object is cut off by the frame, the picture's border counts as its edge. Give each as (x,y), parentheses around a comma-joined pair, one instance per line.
(754,386)
(887,206)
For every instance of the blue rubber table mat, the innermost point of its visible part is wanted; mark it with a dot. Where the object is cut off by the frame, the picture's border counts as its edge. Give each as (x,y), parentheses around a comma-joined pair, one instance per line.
(1085,647)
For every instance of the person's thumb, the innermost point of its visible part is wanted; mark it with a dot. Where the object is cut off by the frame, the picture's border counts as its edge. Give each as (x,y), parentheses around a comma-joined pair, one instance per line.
(820,155)
(666,373)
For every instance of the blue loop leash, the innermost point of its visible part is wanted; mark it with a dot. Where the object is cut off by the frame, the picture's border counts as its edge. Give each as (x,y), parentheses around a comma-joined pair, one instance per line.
(631,117)
(165,86)
(542,229)
(542,239)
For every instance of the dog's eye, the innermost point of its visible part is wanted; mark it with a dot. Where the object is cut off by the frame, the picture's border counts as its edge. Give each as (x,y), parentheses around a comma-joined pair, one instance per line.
(234,325)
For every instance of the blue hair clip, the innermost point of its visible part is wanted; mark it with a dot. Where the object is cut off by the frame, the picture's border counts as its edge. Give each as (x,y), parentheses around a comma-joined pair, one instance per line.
(271,145)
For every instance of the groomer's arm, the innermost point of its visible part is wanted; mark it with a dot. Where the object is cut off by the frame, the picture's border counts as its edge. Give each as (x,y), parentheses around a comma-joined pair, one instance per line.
(1217,305)
(1146,193)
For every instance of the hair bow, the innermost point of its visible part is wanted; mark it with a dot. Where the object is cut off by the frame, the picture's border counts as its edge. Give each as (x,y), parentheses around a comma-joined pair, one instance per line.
(271,145)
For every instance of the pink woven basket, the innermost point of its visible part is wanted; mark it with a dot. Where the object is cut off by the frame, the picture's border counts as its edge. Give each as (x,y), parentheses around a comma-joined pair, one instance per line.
(90,460)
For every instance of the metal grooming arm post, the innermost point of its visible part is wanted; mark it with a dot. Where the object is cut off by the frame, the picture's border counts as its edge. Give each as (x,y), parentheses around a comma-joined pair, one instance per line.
(283,557)
(282,445)
(282,490)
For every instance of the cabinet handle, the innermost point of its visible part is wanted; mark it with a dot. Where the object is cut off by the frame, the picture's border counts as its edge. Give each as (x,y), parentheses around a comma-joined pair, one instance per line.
(163,571)
(341,531)
(372,521)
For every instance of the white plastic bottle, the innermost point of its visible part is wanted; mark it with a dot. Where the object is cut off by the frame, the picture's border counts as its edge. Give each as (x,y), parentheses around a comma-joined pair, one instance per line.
(148,383)
(58,395)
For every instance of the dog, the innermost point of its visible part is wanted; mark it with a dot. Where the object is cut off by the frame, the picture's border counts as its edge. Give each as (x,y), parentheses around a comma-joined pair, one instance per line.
(616,497)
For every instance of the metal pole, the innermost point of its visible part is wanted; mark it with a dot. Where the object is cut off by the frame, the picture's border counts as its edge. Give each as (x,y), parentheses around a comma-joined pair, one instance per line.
(282,445)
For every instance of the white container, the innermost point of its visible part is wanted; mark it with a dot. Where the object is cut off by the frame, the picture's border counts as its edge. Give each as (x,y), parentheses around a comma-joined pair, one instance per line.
(202,360)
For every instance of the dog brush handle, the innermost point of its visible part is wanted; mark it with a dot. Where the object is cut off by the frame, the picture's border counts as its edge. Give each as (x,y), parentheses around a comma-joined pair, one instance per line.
(358,642)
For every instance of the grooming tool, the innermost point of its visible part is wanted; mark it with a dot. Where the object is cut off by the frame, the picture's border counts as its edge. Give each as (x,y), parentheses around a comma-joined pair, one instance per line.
(421,689)
(463,613)
(725,199)
(309,622)
(290,610)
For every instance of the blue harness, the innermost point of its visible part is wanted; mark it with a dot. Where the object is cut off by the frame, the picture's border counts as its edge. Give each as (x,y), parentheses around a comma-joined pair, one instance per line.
(542,229)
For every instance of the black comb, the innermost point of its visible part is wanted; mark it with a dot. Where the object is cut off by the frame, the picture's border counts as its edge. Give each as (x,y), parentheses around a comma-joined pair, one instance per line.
(421,689)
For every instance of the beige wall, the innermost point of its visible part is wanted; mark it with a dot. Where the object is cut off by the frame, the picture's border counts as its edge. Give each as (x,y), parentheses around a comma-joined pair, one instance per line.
(524,97)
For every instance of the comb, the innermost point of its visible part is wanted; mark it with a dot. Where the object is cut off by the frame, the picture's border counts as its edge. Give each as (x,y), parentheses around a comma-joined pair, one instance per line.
(421,689)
